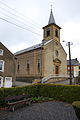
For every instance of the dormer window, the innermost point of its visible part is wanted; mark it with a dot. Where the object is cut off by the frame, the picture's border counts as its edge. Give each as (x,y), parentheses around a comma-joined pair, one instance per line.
(56,33)
(1,52)
(48,32)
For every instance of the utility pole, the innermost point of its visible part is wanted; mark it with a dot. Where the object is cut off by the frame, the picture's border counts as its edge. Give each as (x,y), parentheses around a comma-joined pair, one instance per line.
(42,56)
(70,63)
(70,75)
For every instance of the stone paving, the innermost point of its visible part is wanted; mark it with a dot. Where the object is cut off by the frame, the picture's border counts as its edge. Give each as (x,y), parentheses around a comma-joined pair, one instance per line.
(41,111)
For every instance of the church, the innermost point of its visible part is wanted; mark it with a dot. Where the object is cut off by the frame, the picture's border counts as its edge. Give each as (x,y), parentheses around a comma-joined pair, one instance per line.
(44,59)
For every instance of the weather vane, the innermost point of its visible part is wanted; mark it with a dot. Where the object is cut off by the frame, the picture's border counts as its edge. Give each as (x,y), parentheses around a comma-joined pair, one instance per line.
(51,6)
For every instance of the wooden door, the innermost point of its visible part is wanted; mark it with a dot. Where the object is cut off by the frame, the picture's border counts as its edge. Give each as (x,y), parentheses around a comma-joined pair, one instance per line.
(56,69)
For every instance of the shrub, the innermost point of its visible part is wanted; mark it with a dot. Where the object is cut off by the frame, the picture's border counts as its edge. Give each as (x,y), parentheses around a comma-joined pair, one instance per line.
(76,106)
(41,99)
(66,93)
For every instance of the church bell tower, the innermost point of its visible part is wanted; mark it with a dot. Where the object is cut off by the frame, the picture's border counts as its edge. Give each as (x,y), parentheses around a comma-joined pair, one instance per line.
(52,30)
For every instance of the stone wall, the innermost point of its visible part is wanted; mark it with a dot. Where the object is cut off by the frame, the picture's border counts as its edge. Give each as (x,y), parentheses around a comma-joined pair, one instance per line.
(30,58)
(9,63)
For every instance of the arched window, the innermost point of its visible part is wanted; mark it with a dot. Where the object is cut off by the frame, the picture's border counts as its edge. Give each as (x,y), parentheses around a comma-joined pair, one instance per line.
(18,67)
(56,33)
(48,32)
(38,65)
(28,67)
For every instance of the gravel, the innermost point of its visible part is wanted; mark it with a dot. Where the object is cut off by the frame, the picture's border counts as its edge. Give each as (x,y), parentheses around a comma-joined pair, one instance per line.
(41,111)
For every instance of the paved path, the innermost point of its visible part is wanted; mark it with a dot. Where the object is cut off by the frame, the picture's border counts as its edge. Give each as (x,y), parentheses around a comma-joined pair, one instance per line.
(41,111)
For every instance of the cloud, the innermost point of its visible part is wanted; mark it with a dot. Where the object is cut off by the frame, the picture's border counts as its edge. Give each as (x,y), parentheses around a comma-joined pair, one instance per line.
(71,33)
(18,47)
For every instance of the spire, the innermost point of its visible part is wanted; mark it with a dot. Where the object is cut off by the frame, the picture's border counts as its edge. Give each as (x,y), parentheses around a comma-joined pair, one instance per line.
(51,19)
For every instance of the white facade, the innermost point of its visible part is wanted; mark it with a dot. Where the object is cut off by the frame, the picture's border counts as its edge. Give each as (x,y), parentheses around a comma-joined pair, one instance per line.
(76,71)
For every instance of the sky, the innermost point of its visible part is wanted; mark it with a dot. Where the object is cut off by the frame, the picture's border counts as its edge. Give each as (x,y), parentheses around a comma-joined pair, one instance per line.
(21,23)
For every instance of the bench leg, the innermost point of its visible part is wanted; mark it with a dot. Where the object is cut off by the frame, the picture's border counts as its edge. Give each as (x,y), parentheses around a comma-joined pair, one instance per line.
(13,108)
(28,103)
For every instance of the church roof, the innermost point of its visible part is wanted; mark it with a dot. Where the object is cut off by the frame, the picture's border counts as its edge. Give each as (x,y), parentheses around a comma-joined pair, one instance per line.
(51,19)
(32,48)
(29,49)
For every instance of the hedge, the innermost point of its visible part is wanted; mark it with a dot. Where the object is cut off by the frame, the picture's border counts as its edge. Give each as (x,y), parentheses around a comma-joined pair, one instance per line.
(76,105)
(66,93)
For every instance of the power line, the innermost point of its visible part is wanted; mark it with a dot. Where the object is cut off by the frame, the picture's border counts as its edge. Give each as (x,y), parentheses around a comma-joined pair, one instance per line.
(14,15)
(19,26)
(18,13)
(17,20)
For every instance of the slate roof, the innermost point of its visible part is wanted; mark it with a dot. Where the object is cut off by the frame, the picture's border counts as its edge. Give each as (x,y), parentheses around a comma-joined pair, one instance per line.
(74,62)
(29,49)
(32,48)
(77,64)
(51,19)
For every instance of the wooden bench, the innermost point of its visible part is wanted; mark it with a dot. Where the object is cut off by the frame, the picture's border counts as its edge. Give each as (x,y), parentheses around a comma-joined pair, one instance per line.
(15,101)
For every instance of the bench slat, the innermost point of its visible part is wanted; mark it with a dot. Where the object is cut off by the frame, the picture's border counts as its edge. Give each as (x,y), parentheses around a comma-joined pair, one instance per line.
(14,100)
(17,102)
(15,97)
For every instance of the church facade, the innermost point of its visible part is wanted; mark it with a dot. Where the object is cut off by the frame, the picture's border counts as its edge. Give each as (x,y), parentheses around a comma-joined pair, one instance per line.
(44,59)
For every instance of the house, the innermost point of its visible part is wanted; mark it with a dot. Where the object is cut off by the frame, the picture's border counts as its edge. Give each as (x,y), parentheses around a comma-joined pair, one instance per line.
(75,67)
(7,67)
(44,59)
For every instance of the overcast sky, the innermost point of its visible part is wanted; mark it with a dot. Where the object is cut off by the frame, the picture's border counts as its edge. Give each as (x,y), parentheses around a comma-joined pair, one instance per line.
(32,15)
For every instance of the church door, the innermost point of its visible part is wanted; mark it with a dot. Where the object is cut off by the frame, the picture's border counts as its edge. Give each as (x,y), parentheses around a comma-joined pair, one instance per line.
(56,69)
